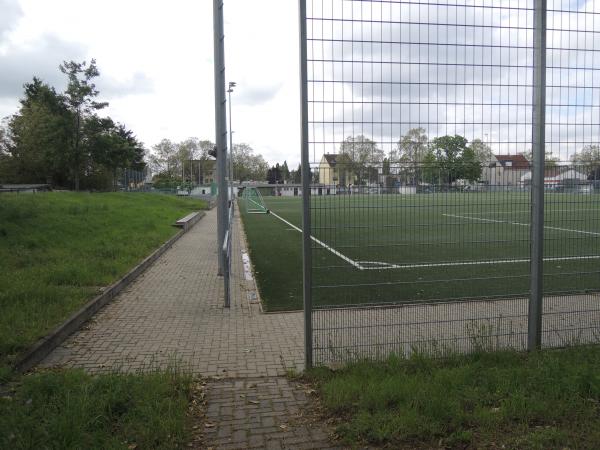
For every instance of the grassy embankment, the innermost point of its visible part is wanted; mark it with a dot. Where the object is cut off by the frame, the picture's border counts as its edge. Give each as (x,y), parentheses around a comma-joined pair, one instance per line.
(58,250)
(72,410)
(548,399)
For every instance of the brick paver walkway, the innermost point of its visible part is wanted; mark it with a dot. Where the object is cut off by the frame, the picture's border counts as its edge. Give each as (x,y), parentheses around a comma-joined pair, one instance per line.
(270,413)
(174,313)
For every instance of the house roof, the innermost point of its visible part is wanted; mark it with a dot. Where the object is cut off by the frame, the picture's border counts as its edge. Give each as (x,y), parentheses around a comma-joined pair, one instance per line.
(330,158)
(339,158)
(518,162)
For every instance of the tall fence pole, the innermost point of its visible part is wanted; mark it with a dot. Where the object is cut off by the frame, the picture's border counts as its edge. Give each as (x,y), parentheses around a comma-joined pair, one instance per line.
(534,332)
(220,126)
(306,176)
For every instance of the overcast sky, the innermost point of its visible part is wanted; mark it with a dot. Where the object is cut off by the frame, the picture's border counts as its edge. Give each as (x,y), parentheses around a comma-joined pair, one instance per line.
(156,64)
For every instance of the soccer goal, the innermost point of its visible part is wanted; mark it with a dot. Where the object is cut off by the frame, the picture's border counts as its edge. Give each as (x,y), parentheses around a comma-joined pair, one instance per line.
(254,201)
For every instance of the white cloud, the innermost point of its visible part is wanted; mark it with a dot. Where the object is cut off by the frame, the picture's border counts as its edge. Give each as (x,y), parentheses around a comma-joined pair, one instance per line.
(156,64)
(11,13)
(138,83)
(155,60)
(40,58)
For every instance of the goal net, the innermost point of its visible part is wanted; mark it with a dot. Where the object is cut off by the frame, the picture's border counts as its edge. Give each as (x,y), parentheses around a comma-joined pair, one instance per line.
(254,201)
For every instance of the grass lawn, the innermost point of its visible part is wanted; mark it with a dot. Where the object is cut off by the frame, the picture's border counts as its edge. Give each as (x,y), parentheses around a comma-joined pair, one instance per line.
(423,247)
(57,250)
(549,399)
(72,410)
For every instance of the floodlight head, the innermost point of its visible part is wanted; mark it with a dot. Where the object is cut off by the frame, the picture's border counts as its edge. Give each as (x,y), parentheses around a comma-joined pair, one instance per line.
(232,84)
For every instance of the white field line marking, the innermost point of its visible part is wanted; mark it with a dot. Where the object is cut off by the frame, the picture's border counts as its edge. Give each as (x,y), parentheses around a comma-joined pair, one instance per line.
(387,266)
(521,224)
(546,210)
(322,244)
(262,208)
(496,212)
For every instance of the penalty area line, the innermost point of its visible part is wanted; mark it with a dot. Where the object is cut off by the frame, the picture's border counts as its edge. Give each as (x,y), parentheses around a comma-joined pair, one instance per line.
(322,244)
(509,222)
(387,266)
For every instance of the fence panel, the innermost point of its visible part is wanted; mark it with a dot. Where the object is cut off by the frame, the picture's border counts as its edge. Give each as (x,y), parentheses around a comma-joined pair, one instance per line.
(572,218)
(419,118)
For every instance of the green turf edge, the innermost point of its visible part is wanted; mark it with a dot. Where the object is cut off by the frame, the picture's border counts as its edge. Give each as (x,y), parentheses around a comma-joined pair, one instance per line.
(273,260)
(278,256)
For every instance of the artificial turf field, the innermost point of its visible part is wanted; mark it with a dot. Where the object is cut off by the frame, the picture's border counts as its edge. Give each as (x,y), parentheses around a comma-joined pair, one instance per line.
(421,247)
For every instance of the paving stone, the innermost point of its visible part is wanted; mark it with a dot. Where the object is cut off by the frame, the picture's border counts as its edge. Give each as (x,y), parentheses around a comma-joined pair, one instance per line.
(173,314)
(281,429)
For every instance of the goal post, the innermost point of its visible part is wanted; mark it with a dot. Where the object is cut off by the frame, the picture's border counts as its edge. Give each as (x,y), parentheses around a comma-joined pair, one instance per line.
(255,203)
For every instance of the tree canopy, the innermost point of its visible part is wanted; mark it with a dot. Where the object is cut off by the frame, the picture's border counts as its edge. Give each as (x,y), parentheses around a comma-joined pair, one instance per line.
(588,161)
(58,138)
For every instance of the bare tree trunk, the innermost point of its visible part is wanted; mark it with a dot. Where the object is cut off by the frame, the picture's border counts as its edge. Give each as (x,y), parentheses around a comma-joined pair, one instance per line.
(77,162)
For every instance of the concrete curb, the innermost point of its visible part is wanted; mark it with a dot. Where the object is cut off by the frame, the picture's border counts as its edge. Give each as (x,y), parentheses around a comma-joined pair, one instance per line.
(45,345)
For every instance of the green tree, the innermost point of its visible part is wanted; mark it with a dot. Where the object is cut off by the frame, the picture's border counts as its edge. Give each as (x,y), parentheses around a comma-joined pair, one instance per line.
(35,137)
(285,171)
(296,175)
(449,151)
(364,157)
(410,151)
(386,166)
(482,152)
(588,160)
(431,169)
(80,99)
(470,165)
(58,138)
(163,159)
(112,147)
(248,166)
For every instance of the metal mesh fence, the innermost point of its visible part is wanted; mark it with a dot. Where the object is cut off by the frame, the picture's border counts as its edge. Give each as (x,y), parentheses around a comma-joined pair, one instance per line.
(419,121)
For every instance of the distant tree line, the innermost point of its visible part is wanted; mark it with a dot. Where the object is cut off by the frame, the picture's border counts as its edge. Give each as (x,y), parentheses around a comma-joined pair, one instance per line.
(60,138)
(414,159)
(189,162)
(181,163)
(281,174)
(441,160)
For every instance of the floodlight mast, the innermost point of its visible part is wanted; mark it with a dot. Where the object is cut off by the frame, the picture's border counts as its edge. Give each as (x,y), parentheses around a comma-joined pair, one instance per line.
(220,126)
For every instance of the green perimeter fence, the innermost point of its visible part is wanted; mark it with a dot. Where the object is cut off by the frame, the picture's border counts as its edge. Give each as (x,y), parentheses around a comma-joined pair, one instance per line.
(450,165)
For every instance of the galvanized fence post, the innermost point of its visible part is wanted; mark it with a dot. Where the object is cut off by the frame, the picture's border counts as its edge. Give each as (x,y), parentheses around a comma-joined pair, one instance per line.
(306,181)
(534,332)
(220,125)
